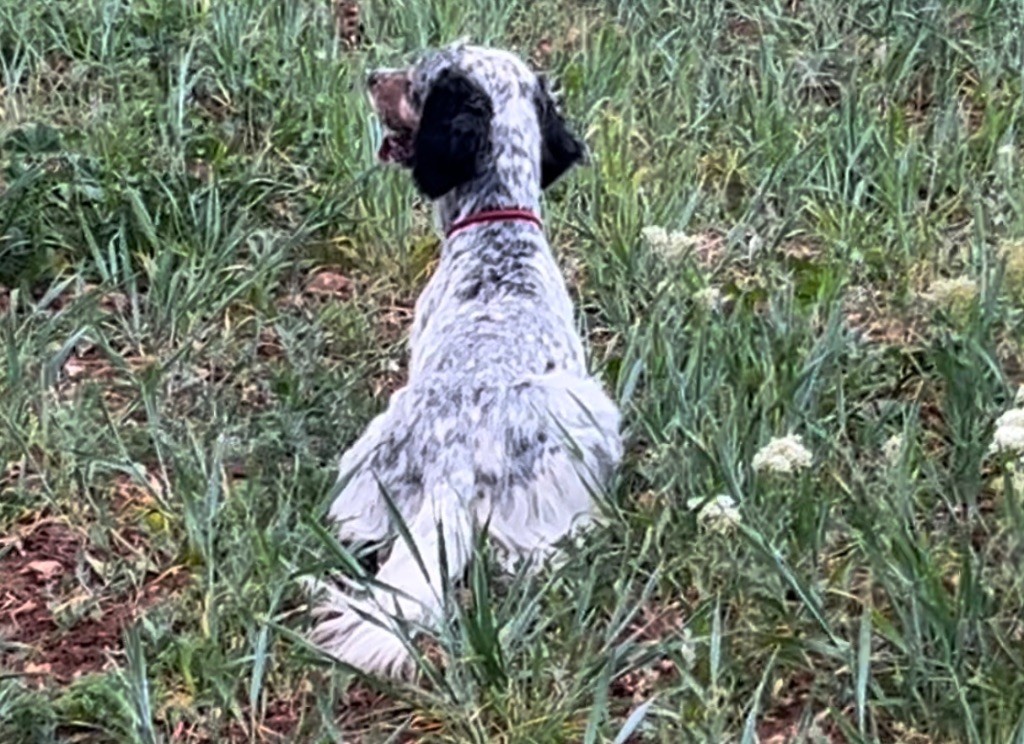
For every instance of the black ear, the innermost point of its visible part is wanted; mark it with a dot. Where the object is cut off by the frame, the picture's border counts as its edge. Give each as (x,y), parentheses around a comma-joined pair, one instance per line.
(453,136)
(559,150)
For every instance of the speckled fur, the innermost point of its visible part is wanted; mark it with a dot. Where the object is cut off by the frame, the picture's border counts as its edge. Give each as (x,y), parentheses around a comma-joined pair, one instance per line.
(500,424)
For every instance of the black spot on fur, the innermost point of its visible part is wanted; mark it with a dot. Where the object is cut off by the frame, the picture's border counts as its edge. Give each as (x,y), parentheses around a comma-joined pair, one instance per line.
(520,447)
(453,138)
(560,149)
(470,291)
(413,478)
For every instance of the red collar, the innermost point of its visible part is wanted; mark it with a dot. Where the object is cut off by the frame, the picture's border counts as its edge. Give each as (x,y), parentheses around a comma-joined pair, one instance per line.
(495,215)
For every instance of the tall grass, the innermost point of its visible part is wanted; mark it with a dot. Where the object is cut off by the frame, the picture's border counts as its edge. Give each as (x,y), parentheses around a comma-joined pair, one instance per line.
(173,175)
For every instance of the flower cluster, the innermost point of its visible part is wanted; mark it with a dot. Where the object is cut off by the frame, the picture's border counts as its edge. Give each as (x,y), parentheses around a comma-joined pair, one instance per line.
(670,244)
(783,455)
(709,298)
(720,514)
(893,448)
(1009,434)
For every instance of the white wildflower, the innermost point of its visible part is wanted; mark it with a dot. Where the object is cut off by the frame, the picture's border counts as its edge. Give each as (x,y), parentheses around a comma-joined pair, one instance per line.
(893,448)
(1012,419)
(669,244)
(655,236)
(1018,399)
(688,648)
(1009,434)
(710,298)
(720,514)
(1005,155)
(783,455)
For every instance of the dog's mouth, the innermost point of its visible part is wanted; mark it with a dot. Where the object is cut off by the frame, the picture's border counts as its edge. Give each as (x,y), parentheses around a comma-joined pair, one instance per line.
(389,95)
(396,147)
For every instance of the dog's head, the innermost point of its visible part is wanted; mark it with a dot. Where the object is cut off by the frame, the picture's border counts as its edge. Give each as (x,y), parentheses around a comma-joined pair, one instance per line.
(440,116)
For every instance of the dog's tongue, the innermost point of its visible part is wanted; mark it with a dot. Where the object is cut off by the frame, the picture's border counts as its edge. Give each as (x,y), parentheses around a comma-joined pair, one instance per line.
(387,149)
(393,149)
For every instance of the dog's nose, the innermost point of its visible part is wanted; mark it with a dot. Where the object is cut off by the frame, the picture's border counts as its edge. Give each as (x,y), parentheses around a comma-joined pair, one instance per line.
(372,79)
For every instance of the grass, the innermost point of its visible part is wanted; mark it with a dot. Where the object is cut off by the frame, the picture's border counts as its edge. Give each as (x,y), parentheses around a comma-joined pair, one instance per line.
(206,282)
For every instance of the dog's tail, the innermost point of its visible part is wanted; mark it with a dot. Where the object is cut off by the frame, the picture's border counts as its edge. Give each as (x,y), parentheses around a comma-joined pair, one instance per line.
(432,547)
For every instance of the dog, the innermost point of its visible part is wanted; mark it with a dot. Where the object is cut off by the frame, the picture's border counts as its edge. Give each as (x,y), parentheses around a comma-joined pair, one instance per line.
(500,426)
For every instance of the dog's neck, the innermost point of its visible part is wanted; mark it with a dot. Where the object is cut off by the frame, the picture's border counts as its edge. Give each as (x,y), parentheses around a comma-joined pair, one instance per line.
(511,177)
(488,216)
(501,188)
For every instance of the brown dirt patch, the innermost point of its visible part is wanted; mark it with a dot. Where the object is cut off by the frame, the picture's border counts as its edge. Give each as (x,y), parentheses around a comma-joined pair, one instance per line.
(792,715)
(329,284)
(43,565)
(790,725)
(655,624)
(277,725)
(364,708)
(872,319)
(363,714)
(320,286)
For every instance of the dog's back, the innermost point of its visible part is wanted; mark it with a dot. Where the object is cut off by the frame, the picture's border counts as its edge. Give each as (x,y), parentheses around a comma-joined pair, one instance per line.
(496,308)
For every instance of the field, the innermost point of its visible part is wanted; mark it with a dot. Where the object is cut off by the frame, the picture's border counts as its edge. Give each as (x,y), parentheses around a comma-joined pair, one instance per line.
(801,218)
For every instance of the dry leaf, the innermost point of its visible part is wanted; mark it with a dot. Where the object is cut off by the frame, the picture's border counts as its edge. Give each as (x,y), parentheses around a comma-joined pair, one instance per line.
(329,283)
(44,569)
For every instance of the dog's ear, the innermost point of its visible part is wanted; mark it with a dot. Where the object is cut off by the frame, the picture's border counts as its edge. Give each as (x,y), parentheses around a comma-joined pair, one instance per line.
(560,149)
(453,137)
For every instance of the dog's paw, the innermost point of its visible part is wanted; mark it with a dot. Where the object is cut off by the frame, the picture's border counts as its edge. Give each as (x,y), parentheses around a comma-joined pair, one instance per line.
(364,644)
(360,633)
